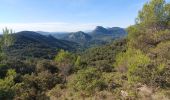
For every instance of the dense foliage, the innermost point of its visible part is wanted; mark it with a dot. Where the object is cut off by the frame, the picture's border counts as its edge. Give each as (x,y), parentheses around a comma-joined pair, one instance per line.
(132,68)
(146,60)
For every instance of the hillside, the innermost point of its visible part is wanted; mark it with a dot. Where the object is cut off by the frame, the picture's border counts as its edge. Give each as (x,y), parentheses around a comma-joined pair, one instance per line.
(45,45)
(105,34)
(32,44)
(104,64)
(96,37)
(79,37)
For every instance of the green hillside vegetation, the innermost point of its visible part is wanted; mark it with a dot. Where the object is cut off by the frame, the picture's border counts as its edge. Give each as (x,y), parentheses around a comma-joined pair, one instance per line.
(97,37)
(146,59)
(136,67)
(29,44)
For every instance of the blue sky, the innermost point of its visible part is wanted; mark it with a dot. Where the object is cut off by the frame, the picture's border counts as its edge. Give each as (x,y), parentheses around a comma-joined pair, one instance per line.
(67,15)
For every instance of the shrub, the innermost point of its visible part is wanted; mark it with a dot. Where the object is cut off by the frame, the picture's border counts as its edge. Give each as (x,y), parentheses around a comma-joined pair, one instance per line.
(88,80)
(8,86)
(65,61)
(44,65)
(138,67)
(135,64)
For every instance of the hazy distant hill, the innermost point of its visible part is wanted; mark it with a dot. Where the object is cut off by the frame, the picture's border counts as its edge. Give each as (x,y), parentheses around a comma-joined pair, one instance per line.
(79,37)
(98,36)
(114,30)
(107,34)
(58,35)
(32,44)
(99,30)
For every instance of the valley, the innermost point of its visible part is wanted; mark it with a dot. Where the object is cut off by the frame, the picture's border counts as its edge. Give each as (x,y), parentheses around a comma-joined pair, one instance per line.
(104,63)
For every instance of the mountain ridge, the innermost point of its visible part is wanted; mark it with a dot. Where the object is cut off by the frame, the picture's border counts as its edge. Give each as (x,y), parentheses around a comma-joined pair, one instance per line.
(32,44)
(35,44)
(98,36)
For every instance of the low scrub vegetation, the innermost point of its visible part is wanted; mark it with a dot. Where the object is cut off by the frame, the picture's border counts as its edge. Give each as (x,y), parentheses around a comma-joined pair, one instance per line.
(131,68)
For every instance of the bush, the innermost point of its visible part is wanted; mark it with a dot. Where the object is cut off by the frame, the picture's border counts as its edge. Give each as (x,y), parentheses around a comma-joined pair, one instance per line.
(44,65)
(35,86)
(138,67)
(88,81)
(65,61)
(8,86)
(135,64)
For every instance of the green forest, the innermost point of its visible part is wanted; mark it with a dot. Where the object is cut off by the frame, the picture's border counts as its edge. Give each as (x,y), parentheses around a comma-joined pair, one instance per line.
(134,67)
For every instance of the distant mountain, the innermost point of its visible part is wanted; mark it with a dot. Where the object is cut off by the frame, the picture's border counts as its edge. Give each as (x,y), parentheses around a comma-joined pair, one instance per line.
(32,44)
(58,35)
(43,33)
(114,30)
(45,44)
(98,36)
(100,30)
(107,34)
(79,37)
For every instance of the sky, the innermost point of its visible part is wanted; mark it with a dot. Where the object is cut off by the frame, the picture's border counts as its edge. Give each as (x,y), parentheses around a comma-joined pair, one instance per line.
(67,15)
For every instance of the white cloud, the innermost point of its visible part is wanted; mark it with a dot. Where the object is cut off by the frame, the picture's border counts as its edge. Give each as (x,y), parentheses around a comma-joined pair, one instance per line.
(50,27)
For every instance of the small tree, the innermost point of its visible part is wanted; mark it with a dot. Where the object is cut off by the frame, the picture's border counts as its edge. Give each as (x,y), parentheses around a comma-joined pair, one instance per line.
(5,41)
(88,81)
(65,61)
(154,14)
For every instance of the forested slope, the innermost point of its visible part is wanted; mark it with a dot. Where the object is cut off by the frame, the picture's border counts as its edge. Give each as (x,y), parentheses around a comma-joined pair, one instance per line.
(136,67)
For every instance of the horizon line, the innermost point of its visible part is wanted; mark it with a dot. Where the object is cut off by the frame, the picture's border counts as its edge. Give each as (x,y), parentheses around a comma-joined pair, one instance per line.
(54,26)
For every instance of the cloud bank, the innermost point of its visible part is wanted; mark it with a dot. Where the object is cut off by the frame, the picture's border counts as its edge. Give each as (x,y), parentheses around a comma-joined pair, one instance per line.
(50,27)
